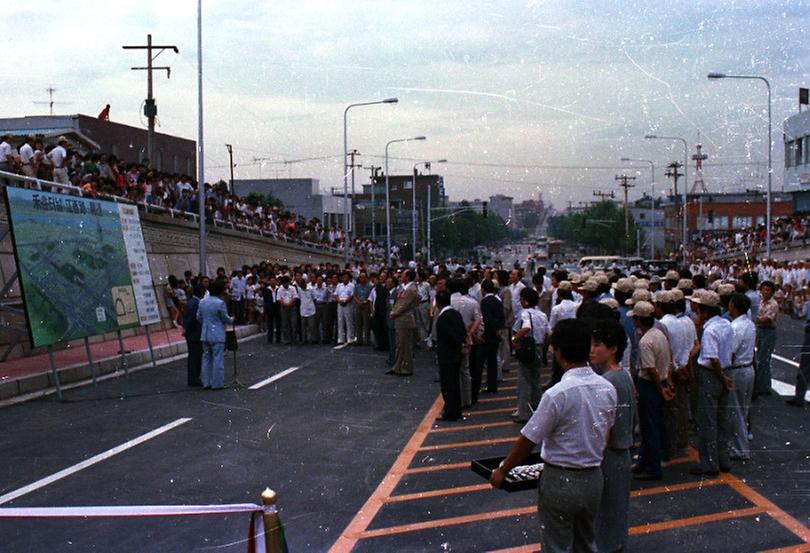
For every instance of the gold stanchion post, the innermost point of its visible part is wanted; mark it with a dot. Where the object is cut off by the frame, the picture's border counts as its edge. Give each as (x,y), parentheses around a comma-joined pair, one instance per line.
(272,524)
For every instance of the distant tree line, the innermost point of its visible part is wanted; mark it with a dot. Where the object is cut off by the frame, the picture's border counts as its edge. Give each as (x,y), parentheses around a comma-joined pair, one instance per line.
(599,227)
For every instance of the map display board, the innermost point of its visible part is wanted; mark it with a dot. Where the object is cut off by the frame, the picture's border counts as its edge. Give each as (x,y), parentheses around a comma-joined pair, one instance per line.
(83,271)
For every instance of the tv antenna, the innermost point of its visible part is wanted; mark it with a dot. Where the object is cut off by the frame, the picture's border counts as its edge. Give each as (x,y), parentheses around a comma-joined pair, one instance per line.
(50,103)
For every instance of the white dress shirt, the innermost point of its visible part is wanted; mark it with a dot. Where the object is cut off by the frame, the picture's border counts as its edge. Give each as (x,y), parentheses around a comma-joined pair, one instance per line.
(566,309)
(717,342)
(745,337)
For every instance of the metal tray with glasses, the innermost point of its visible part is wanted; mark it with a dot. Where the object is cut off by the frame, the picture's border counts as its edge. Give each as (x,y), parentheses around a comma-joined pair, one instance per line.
(525,476)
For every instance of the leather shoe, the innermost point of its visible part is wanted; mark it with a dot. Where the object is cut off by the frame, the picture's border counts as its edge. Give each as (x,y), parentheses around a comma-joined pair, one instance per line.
(795,402)
(700,471)
(391,371)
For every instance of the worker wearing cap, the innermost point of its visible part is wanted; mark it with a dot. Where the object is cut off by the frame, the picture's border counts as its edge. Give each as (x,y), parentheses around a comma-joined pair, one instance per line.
(589,291)
(566,308)
(653,373)
(671,280)
(725,291)
(58,158)
(677,410)
(623,290)
(714,384)
(655,283)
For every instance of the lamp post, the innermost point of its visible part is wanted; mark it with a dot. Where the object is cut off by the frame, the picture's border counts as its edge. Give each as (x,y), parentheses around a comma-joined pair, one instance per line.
(346,164)
(716,76)
(200,143)
(685,185)
(652,200)
(415,222)
(388,195)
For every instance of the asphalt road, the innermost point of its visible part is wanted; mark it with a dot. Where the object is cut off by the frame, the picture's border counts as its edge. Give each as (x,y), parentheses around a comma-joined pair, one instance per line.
(323,437)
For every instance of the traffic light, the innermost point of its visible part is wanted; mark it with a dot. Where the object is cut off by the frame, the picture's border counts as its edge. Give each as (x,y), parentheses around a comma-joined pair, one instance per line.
(484,211)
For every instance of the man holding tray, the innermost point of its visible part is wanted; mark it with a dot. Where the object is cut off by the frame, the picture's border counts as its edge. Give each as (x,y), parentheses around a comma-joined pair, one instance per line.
(572,422)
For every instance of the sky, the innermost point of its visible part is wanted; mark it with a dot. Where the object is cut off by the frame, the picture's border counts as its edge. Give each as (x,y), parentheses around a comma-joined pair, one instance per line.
(521,97)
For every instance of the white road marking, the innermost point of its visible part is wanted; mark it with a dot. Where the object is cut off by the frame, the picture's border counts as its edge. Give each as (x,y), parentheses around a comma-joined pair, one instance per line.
(783,388)
(270,380)
(11,496)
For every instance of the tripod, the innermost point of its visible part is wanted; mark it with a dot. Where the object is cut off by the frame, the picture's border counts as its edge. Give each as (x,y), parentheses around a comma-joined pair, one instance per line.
(232,344)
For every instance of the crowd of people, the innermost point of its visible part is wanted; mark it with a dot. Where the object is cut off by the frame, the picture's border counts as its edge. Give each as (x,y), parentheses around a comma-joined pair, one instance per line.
(102,174)
(674,352)
(785,231)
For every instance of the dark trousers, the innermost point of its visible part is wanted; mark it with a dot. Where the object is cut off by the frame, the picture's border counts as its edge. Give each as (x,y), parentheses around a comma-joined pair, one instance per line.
(270,319)
(194,362)
(329,322)
(392,344)
(766,343)
(451,390)
(803,375)
(489,355)
(239,311)
(476,370)
(380,327)
(320,321)
(651,417)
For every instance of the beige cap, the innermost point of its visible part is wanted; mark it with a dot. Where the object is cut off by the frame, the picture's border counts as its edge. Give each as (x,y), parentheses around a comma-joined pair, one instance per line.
(705,297)
(610,302)
(574,278)
(725,289)
(642,309)
(564,285)
(61,139)
(677,294)
(633,278)
(642,283)
(661,296)
(672,275)
(624,285)
(640,294)
(591,285)
(655,279)
(586,275)
(602,279)
(685,284)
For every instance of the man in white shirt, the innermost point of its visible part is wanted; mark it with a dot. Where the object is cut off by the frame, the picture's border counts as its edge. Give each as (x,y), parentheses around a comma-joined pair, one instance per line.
(741,373)
(572,423)
(515,286)
(306,298)
(286,297)
(345,298)
(58,159)
(27,157)
(676,411)
(566,308)
(471,315)
(714,384)
(6,154)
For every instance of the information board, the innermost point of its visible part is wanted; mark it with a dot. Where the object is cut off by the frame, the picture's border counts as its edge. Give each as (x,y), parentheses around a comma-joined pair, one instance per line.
(82,265)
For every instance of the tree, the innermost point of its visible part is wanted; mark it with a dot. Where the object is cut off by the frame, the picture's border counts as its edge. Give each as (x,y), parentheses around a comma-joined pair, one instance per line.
(599,226)
(460,233)
(531,220)
(267,201)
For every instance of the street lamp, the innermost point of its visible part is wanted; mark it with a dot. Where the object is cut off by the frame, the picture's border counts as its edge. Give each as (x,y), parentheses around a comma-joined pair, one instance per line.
(685,184)
(388,194)
(652,200)
(414,215)
(716,76)
(346,226)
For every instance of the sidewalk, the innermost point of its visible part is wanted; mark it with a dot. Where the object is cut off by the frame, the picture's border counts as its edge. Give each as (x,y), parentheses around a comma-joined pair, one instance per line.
(33,373)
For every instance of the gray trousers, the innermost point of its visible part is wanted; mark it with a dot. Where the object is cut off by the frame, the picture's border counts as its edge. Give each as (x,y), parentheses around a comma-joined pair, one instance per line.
(528,389)
(568,502)
(423,320)
(320,322)
(309,330)
(363,323)
(712,421)
(404,351)
(739,404)
(611,520)
(289,325)
(465,380)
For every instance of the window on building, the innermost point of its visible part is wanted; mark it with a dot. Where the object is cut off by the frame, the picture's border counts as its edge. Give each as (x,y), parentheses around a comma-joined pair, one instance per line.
(788,153)
(799,156)
(175,164)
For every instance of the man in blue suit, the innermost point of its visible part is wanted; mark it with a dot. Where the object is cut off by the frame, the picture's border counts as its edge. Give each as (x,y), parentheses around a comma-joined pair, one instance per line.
(191,330)
(213,316)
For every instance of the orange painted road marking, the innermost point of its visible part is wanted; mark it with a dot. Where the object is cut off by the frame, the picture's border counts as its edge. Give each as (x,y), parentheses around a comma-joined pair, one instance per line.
(800,548)
(452,521)
(432,468)
(438,493)
(348,539)
(499,398)
(693,521)
(531,548)
(773,511)
(459,428)
(504,388)
(489,412)
(700,484)
(458,445)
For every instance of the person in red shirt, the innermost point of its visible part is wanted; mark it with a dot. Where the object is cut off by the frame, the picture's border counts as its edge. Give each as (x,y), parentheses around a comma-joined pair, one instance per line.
(105,113)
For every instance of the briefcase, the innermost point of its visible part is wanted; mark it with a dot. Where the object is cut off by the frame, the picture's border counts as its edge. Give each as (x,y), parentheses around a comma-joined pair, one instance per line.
(230,340)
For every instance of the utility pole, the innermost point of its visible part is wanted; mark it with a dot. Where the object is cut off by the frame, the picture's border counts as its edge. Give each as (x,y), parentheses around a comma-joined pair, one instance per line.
(672,172)
(150,107)
(374,170)
(603,195)
(352,165)
(230,155)
(624,184)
